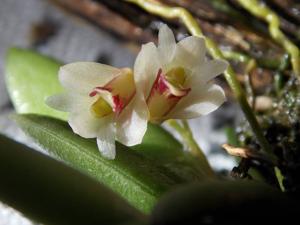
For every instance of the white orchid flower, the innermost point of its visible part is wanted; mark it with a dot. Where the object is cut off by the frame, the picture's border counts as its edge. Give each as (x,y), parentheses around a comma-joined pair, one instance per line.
(175,78)
(103,104)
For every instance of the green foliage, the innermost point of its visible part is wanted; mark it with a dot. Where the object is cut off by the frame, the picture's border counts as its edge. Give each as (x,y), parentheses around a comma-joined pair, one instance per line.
(30,79)
(50,192)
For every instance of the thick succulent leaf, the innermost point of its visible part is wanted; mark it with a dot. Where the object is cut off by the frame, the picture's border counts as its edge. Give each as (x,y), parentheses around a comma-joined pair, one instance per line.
(224,202)
(161,146)
(30,79)
(138,178)
(50,192)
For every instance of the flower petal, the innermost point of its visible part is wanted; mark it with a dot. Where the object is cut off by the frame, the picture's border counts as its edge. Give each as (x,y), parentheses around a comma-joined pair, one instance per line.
(200,101)
(106,140)
(84,123)
(166,44)
(207,71)
(84,76)
(146,67)
(67,102)
(190,52)
(132,122)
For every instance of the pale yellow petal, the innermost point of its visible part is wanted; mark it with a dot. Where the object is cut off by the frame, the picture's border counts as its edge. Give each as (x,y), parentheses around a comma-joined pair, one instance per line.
(190,52)
(132,122)
(146,67)
(82,77)
(84,123)
(68,102)
(200,101)
(106,140)
(207,71)
(166,44)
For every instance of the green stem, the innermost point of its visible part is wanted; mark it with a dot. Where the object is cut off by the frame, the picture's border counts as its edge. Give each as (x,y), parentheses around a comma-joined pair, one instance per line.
(249,84)
(262,11)
(280,178)
(195,148)
(236,56)
(193,27)
(187,136)
(269,63)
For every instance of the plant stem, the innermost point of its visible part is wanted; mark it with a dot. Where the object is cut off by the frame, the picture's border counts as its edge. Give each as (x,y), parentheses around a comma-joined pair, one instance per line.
(195,148)
(237,56)
(262,11)
(269,63)
(193,27)
(187,136)
(280,177)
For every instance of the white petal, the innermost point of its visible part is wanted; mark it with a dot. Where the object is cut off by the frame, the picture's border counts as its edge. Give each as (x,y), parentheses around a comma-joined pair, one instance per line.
(166,44)
(67,102)
(146,67)
(198,102)
(132,123)
(207,71)
(82,77)
(190,52)
(84,123)
(106,141)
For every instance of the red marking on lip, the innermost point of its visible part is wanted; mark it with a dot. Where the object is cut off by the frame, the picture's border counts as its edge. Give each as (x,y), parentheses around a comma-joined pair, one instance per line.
(93,93)
(163,89)
(97,89)
(118,104)
(104,88)
(159,83)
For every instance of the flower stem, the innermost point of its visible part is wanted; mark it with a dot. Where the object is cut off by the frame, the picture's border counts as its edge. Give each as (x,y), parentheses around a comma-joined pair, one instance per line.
(262,11)
(187,136)
(194,147)
(193,27)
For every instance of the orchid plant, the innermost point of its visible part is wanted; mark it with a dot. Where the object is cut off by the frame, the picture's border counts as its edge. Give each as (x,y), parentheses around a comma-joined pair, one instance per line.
(171,81)
(123,108)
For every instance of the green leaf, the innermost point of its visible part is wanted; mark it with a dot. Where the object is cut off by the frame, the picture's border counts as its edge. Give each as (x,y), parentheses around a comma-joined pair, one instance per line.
(30,79)
(138,178)
(50,192)
(225,202)
(161,146)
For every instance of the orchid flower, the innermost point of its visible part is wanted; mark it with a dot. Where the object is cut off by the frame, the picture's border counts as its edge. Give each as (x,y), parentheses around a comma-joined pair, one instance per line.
(103,104)
(175,78)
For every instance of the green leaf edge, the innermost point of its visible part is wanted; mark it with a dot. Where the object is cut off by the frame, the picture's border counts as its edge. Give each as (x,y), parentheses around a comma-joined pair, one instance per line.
(52,193)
